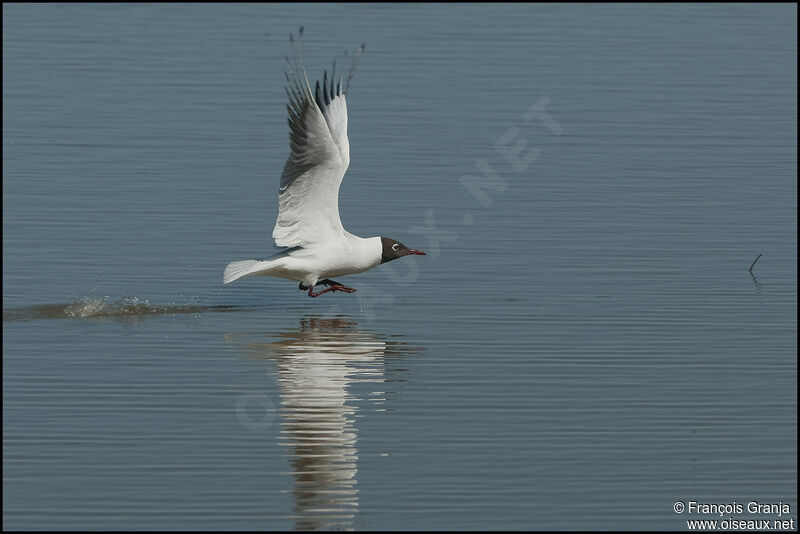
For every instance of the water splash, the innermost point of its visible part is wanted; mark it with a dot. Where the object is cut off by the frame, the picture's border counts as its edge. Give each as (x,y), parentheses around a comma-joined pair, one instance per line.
(105,307)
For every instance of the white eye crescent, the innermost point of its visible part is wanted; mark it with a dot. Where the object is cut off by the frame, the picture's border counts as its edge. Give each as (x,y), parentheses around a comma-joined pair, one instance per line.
(395,247)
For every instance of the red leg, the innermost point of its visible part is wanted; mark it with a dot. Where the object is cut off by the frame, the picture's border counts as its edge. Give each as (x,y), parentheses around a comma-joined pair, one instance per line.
(340,287)
(334,287)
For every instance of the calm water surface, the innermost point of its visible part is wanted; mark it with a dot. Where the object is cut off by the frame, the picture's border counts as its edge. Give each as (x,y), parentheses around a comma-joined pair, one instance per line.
(582,347)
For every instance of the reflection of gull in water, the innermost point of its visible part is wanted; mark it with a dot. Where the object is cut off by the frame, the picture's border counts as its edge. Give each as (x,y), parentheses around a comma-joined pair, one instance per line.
(317,365)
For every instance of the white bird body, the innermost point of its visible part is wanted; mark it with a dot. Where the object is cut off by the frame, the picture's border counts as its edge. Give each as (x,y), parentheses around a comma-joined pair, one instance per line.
(308,223)
(348,255)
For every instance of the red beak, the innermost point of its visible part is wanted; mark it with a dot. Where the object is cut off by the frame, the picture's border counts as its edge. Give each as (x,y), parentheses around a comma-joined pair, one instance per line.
(415,252)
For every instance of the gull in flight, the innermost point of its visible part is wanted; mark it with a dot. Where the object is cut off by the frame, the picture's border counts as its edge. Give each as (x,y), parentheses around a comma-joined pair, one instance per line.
(316,245)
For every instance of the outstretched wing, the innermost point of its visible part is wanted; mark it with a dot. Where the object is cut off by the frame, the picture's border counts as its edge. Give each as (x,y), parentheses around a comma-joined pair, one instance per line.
(308,198)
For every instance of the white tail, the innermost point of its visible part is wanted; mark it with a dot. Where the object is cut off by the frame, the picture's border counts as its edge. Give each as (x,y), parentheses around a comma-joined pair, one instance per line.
(240,269)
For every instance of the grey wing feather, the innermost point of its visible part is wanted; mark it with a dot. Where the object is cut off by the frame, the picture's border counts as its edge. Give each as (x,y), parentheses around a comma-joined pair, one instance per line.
(320,154)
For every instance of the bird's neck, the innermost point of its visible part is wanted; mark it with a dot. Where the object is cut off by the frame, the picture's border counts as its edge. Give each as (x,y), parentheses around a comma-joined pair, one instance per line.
(369,248)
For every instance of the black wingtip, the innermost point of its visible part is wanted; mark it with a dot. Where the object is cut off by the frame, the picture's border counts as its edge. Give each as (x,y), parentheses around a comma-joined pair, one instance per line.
(325,89)
(301,30)
(333,80)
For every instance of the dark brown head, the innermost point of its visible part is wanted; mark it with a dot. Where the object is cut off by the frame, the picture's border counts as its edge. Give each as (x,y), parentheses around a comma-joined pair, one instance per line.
(395,249)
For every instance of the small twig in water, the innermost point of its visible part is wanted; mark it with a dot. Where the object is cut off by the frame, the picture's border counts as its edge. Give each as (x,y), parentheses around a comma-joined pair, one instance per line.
(750,270)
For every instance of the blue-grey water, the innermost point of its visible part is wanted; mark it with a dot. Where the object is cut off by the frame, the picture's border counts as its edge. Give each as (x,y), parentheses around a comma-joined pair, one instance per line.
(582,347)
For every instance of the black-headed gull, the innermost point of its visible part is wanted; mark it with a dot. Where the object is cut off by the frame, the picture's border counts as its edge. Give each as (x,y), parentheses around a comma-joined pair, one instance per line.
(317,247)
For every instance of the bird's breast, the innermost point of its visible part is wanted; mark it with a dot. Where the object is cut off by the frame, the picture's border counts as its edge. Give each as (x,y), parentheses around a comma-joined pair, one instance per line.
(350,256)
